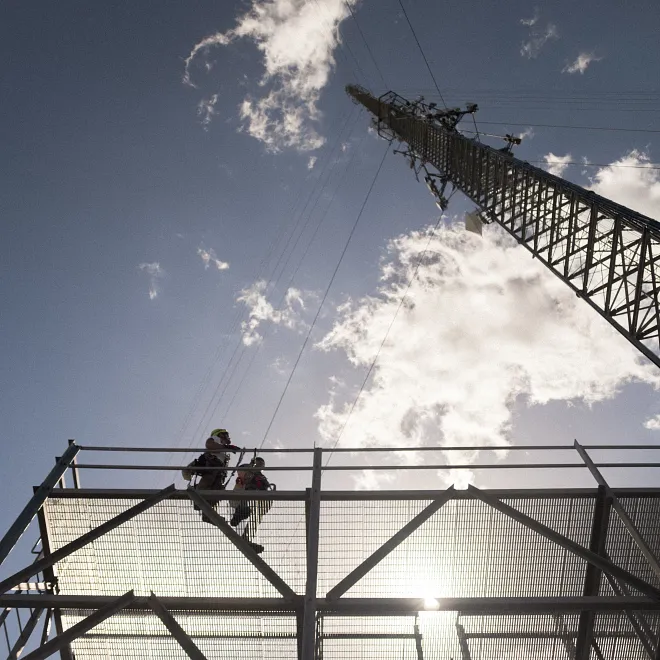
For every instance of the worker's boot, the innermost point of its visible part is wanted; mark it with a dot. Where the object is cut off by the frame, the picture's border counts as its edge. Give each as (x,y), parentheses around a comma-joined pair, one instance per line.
(256,547)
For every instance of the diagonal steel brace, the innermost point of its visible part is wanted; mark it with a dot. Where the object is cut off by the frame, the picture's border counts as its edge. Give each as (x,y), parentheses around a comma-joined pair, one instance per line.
(85,539)
(70,634)
(173,626)
(377,556)
(582,552)
(242,545)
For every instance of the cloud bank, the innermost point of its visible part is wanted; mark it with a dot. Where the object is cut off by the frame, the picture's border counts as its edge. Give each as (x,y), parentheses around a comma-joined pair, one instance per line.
(557,164)
(483,325)
(262,311)
(630,181)
(297,39)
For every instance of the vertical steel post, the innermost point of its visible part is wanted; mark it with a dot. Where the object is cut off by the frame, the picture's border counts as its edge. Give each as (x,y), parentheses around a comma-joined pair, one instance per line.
(30,510)
(74,469)
(462,641)
(309,611)
(418,641)
(621,512)
(49,575)
(593,574)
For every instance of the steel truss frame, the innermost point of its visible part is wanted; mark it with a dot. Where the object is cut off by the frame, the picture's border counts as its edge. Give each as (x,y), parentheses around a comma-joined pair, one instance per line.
(608,254)
(309,609)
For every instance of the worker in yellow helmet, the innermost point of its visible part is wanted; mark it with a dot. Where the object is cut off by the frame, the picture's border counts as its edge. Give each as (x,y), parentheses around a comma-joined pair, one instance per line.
(218,445)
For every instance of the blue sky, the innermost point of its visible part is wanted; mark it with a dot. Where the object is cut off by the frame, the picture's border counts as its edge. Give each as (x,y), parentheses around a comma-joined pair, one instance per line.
(110,167)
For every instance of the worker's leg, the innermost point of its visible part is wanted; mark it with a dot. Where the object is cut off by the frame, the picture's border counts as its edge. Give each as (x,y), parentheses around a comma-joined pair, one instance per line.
(211,481)
(260,509)
(241,512)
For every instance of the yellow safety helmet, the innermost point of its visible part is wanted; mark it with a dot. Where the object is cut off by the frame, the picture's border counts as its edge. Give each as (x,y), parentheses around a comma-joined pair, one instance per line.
(223,434)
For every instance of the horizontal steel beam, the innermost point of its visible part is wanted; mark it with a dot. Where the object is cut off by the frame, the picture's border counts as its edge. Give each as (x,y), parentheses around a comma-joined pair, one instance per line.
(349,468)
(351,450)
(348,606)
(350,495)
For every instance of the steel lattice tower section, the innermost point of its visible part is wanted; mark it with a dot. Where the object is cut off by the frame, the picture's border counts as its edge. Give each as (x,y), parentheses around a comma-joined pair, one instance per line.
(608,254)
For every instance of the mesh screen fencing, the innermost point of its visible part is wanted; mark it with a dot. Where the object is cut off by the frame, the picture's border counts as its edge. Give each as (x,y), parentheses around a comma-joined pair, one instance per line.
(466,549)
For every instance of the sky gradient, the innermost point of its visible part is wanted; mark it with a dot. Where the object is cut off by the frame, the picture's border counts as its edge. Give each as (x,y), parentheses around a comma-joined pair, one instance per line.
(169,169)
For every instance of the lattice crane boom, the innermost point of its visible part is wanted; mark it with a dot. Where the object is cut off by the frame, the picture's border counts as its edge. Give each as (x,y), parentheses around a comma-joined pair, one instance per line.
(608,254)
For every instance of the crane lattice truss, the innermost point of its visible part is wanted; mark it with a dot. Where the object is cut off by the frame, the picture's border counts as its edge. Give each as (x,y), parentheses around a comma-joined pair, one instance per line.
(608,254)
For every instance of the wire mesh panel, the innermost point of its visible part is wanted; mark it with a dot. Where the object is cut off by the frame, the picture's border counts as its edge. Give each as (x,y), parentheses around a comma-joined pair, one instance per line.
(217,635)
(169,550)
(466,549)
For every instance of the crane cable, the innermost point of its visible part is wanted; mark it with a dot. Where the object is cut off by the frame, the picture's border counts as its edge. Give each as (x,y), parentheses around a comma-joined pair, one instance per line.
(421,50)
(325,295)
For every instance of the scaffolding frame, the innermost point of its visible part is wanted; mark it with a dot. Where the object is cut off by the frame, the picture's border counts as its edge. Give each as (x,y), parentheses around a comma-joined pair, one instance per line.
(632,595)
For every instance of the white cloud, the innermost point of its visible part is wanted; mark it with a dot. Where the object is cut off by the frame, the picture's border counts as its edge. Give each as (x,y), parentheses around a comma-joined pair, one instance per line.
(371,480)
(483,325)
(260,311)
(297,39)
(537,38)
(557,164)
(630,181)
(155,273)
(209,257)
(581,63)
(527,134)
(206,110)
(529,22)
(653,424)
(311,162)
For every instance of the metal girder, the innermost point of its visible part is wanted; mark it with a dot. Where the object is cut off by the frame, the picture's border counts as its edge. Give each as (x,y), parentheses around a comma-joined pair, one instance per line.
(52,558)
(30,510)
(308,646)
(463,642)
(641,627)
(641,544)
(378,555)
(418,642)
(605,252)
(598,561)
(599,528)
(351,606)
(49,574)
(74,469)
(175,629)
(45,633)
(242,546)
(80,628)
(368,495)
(24,637)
